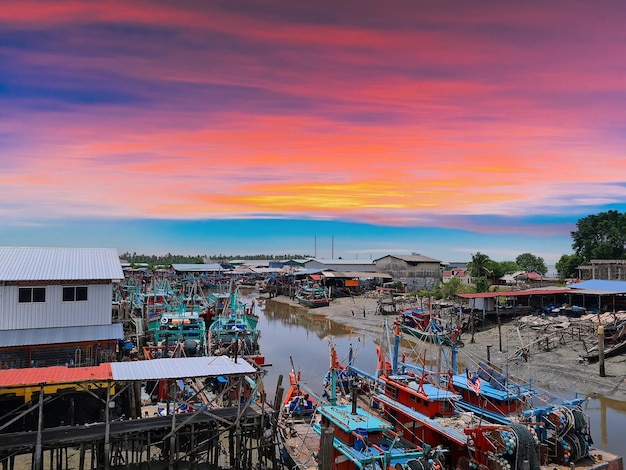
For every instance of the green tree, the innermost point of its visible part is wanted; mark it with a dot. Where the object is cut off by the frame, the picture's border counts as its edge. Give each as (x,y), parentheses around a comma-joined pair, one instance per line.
(531,263)
(450,289)
(600,236)
(482,285)
(567,265)
(479,265)
(507,267)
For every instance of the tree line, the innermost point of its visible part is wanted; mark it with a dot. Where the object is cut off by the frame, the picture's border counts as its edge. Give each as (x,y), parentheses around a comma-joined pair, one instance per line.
(169,258)
(597,236)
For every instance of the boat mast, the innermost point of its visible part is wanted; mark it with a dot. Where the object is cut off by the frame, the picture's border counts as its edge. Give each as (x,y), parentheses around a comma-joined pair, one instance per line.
(397,336)
(334,365)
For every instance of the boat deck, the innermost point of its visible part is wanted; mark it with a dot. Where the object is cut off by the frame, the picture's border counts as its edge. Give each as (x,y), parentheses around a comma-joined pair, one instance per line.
(598,460)
(302,443)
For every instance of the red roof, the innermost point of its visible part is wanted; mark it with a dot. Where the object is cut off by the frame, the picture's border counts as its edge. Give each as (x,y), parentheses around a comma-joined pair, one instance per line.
(54,375)
(516,293)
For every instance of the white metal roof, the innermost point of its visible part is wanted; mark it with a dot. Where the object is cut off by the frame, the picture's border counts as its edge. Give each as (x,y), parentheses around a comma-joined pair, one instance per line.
(71,334)
(342,261)
(59,264)
(196,268)
(176,368)
(330,274)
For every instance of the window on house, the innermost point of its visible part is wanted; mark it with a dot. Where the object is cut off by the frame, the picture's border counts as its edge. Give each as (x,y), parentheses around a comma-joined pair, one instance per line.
(75,294)
(32,294)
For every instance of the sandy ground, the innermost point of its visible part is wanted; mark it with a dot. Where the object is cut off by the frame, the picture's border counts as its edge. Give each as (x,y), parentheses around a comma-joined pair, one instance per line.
(558,368)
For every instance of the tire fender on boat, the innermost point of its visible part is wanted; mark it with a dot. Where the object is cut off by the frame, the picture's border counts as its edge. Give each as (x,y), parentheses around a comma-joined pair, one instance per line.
(164,320)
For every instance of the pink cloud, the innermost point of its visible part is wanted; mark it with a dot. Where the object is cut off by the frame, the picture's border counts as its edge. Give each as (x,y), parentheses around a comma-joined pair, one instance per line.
(485,112)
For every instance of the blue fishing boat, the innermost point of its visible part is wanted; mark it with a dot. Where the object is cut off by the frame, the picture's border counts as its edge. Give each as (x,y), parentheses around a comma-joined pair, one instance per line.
(360,439)
(425,406)
(234,330)
(313,295)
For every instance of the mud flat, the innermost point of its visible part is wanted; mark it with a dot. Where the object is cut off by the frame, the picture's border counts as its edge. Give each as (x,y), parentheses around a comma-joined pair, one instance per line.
(553,361)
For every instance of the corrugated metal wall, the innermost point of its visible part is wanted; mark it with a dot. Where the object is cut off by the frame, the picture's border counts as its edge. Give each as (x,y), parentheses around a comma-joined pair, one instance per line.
(54,312)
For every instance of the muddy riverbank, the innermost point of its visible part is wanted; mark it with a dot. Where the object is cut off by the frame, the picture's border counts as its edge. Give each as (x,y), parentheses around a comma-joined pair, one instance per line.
(554,363)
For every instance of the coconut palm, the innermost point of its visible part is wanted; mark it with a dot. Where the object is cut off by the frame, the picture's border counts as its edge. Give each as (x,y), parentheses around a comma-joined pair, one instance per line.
(479,266)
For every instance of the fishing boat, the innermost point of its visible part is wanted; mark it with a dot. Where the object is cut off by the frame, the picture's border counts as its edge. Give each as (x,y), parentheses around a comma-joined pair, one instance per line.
(179,334)
(352,437)
(614,342)
(313,295)
(425,407)
(234,330)
(427,327)
(299,403)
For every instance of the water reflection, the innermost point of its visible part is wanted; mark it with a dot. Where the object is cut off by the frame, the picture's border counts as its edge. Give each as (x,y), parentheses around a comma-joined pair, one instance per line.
(608,422)
(293,331)
(301,317)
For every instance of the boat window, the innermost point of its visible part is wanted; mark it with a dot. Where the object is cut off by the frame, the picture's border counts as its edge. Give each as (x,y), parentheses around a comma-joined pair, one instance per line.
(391,391)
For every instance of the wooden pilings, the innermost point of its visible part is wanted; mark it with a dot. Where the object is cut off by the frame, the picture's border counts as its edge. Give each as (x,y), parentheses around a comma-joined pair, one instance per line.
(202,439)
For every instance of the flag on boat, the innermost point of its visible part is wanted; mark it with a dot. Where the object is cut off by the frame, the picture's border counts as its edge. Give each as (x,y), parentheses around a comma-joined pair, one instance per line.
(473,381)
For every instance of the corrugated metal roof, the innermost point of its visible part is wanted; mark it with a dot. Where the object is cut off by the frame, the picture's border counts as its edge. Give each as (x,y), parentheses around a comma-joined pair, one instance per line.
(516,293)
(352,274)
(197,268)
(412,258)
(72,334)
(59,264)
(342,261)
(615,287)
(54,375)
(175,368)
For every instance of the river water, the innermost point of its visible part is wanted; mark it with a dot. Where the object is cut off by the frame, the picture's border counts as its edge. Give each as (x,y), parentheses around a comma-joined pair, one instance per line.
(288,331)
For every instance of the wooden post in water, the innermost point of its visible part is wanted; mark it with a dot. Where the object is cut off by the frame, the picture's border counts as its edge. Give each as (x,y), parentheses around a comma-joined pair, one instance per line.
(601,349)
(38,461)
(326,448)
(278,403)
(107,429)
(500,331)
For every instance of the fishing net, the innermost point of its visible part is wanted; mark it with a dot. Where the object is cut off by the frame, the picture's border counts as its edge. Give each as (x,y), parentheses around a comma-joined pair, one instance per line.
(526,449)
(580,421)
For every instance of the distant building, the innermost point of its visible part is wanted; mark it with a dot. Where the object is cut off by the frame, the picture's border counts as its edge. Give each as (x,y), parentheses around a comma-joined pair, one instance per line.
(415,271)
(457,273)
(341,265)
(519,277)
(55,306)
(197,268)
(603,269)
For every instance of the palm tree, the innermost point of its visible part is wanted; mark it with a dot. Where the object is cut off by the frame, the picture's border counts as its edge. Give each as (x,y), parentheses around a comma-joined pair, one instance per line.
(478,267)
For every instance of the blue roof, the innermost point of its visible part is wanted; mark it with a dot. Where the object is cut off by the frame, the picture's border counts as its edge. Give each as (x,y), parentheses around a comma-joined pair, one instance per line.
(615,287)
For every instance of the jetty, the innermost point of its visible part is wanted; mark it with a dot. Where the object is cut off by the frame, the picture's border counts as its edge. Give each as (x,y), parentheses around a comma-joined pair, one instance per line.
(175,434)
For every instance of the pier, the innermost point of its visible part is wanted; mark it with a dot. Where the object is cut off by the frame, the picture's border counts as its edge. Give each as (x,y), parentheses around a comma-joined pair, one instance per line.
(188,430)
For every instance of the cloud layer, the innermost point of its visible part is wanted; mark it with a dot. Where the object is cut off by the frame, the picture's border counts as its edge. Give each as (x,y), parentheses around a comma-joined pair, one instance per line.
(406,114)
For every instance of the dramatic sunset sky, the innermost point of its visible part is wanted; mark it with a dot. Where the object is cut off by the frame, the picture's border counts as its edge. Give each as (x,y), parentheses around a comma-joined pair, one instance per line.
(331,128)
